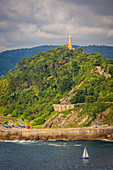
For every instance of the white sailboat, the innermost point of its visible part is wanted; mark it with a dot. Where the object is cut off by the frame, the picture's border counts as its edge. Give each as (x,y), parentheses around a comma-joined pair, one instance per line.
(85,154)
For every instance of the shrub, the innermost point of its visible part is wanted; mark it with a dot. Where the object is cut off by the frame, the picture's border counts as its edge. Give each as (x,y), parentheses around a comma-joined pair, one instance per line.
(89,99)
(38,121)
(109,97)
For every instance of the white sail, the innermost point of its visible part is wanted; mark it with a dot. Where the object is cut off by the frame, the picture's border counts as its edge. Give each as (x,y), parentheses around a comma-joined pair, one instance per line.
(85,153)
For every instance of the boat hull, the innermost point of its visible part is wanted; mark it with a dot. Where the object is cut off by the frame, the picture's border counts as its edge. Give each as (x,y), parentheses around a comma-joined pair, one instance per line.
(84,157)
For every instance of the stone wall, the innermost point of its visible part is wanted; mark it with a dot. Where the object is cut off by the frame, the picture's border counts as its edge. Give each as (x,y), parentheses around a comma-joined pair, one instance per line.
(63,107)
(48,134)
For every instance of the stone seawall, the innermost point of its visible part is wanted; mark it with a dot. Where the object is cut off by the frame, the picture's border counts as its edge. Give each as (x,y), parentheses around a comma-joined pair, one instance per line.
(50,134)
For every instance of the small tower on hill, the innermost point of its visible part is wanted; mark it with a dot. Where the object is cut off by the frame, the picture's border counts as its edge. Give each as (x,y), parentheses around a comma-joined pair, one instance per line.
(69,43)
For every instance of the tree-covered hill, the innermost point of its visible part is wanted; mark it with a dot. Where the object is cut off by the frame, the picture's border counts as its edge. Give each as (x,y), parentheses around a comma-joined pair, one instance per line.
(8,59)
(105,51)
(37,82)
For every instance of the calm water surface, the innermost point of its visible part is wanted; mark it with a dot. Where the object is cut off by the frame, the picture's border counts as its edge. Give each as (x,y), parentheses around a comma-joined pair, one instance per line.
(55,155)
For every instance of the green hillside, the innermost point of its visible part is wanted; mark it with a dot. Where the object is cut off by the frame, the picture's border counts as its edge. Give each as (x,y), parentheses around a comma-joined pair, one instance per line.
(37,82)
(9,58)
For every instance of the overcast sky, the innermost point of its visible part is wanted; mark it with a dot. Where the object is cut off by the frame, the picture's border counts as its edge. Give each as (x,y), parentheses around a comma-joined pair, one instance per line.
(28,23)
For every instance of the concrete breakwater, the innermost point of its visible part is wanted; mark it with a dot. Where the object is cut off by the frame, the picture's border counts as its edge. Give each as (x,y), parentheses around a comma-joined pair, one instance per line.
(50,134)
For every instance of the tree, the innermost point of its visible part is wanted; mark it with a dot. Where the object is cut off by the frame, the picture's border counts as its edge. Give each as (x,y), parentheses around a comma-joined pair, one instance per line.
(111,70)
(65,84)
(89,99)
(90,91)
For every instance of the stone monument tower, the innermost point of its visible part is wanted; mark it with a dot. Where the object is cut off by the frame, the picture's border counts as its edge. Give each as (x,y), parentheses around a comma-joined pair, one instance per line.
(69,43)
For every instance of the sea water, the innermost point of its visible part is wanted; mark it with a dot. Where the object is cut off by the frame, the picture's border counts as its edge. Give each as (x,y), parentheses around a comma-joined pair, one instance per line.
(56,155)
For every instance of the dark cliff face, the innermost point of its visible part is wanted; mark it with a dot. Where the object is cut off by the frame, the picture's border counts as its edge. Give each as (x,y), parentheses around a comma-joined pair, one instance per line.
(49,134)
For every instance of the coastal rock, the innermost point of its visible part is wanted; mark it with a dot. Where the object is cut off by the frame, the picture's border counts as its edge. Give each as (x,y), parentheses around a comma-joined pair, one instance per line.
(43,138)
(110,136)
(54,134)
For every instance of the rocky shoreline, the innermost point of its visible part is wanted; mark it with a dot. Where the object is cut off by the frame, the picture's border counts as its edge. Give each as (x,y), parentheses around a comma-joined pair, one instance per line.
(56,134)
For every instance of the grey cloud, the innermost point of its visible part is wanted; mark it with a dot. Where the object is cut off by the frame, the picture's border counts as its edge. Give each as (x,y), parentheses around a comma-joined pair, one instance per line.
(37,22)
(101,7)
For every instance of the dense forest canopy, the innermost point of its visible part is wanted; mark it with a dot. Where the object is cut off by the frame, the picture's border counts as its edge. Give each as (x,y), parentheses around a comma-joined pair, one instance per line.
(9,58)
(37,82)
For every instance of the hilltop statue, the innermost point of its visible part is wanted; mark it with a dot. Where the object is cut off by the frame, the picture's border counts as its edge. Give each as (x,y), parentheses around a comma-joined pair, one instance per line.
(69,43)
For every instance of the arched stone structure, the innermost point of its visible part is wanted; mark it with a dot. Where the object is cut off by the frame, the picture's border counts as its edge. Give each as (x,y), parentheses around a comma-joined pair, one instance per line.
(63,107)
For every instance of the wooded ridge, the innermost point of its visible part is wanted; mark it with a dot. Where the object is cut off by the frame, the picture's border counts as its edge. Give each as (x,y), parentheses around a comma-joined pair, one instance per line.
(9,58)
